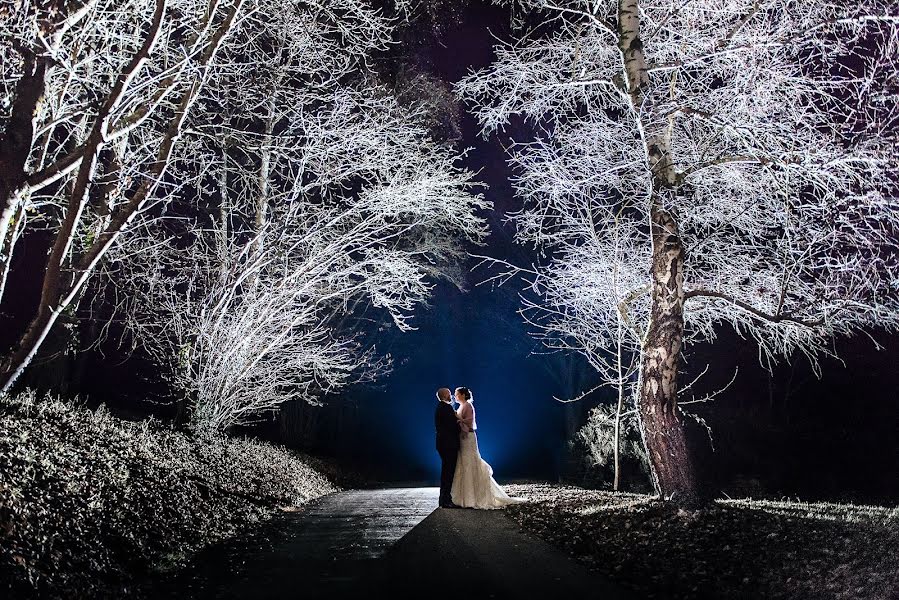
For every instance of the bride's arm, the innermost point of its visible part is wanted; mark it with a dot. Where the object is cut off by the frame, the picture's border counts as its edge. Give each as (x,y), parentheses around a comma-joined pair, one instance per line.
(466,418)
(462,430)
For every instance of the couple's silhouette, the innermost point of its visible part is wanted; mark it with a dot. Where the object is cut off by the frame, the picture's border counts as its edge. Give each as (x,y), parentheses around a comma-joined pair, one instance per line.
(466,480)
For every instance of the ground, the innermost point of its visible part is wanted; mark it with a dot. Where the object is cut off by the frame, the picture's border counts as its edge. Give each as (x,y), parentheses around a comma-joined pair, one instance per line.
(734,549)
(92,506)
(394,540)
(624,546)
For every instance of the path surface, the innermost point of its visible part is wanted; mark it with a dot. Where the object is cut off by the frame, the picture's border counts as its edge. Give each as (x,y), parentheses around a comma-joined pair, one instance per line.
(386,543)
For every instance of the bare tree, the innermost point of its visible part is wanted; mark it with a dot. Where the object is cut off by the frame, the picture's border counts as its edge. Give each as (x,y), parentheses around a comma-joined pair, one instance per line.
(98,93)
(234,342)
(742,151)
(244,328)
(325,196)
(584,304)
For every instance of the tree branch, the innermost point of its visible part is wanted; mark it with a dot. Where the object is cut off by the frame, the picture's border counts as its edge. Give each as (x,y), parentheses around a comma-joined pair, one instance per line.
(777,318)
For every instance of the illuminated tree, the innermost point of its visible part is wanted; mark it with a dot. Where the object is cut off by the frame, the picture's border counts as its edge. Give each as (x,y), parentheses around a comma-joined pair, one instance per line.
(725,162)
(95,97)
(326,191)
(319,194)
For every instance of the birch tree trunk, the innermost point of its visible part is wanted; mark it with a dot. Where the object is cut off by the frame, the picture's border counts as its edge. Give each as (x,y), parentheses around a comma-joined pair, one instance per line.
(265,165)
(661,422)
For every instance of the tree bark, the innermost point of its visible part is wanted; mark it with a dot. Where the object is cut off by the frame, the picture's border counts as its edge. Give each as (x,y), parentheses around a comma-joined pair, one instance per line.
(261,219)
(617,442)
(6,257)
(265,172)
(660,419)
(618,409)
(15,147)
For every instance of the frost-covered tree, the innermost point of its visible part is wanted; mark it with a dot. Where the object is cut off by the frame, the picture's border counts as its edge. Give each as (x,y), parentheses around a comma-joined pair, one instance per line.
(741,152)
(245,323)
(321,190)
(318,195)
(94,97)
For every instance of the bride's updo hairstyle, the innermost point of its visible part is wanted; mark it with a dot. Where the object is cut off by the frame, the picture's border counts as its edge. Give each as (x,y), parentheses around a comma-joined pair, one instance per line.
(466,393)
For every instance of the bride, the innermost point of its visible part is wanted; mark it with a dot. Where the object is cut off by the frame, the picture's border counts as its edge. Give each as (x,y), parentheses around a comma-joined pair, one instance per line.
(473,483)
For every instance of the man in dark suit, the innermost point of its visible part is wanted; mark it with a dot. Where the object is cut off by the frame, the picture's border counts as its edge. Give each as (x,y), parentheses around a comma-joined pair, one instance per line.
(447,427)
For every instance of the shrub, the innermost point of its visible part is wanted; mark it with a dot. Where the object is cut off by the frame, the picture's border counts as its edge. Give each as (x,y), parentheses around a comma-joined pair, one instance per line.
(597,439)
(90,503)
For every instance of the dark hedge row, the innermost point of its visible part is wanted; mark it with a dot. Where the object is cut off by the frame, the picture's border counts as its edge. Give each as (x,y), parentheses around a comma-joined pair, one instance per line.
(91,504)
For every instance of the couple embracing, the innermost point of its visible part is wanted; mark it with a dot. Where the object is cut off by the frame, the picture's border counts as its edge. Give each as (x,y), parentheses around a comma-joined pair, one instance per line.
(466,480)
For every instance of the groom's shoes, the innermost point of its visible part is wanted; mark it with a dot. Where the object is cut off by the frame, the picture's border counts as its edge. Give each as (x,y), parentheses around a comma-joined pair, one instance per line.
(449,505)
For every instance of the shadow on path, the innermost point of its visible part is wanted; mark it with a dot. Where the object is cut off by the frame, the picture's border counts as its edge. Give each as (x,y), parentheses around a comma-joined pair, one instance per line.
(480,554)
(389,541)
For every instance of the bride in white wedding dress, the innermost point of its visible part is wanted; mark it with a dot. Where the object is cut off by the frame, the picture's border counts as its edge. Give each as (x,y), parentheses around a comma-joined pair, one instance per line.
(473,483)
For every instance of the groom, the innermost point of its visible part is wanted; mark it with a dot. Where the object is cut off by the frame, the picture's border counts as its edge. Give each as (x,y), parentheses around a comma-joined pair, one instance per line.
(447,427)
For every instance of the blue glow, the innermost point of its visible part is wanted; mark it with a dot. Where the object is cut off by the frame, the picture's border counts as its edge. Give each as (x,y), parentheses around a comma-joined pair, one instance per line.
(473,339)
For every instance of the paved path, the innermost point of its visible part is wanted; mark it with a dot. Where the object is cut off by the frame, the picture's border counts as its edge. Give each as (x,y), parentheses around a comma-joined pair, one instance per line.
(389,541)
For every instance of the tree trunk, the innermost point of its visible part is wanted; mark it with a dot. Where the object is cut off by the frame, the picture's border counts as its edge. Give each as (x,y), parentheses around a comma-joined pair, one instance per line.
(6,255)
(617,440)
(661,419)
(15,147)
(265,164)
(224,210)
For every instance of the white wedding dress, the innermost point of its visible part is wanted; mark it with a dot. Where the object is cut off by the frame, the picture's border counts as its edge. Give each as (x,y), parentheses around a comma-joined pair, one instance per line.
(473,483)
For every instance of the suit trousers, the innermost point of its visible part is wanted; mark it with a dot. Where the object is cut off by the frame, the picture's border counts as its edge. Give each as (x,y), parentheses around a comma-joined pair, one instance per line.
(448,458)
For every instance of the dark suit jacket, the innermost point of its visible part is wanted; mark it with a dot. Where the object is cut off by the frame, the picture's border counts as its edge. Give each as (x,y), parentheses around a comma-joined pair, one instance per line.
(447,427)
